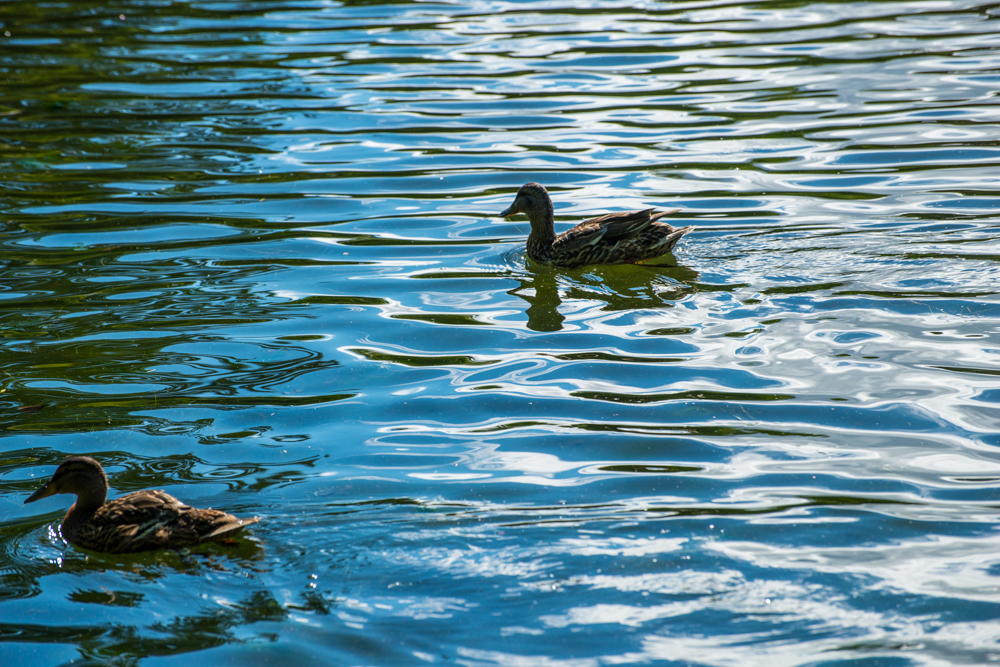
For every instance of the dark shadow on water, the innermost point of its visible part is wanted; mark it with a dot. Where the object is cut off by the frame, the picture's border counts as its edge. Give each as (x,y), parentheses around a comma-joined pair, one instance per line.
(542,295)
(209,628)
(620,287)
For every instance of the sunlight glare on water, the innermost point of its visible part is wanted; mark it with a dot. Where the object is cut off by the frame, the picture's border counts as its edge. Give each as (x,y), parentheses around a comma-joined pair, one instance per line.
(251,255)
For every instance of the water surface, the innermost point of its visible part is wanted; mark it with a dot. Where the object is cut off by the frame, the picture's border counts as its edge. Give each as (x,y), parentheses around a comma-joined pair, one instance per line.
(250,255)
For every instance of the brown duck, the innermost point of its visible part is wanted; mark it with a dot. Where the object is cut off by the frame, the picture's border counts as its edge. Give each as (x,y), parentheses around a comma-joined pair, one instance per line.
(629,237)
(139,521)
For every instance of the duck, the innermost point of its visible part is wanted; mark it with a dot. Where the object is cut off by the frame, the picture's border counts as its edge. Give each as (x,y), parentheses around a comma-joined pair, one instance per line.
(627,237)
(140,521)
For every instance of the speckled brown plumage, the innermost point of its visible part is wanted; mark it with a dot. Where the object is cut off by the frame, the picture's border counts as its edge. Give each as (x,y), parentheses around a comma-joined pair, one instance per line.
(629,237)
(139,521)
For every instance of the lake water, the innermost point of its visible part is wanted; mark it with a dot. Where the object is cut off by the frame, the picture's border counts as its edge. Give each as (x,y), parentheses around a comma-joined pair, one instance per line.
(250,254)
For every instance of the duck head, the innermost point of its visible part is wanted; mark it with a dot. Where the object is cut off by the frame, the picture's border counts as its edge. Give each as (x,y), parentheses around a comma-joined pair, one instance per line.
(79,475)
(533,200)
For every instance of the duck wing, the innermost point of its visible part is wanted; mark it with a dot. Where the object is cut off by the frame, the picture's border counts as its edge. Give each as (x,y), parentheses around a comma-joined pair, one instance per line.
(607,230)
(615,227)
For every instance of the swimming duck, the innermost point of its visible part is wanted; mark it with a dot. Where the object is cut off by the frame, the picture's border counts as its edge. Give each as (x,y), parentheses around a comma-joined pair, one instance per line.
(629,237)
(139,521)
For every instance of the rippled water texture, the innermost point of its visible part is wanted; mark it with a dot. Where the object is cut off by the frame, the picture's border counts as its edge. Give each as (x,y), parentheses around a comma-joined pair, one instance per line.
(250,255)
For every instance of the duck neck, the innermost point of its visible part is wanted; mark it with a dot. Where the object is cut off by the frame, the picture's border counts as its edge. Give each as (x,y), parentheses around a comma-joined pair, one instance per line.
(78,515)
(88,501)
(543,231)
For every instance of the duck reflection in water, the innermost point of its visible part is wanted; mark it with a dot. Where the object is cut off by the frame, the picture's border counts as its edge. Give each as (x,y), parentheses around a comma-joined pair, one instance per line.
(619,287)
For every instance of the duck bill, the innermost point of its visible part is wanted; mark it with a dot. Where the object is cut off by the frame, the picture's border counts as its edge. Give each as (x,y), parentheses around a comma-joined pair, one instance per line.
(43,492)
(510,210)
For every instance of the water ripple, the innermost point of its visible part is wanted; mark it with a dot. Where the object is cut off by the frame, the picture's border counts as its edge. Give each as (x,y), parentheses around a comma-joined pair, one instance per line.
(251,250)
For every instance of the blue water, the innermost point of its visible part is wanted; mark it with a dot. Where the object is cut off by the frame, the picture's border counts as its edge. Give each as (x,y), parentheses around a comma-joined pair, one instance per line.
(250,254)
